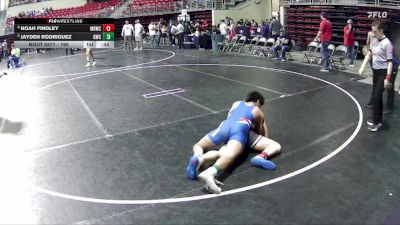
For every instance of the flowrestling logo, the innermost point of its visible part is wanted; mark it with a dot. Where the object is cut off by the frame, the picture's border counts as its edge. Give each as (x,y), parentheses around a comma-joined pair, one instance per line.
(377,14)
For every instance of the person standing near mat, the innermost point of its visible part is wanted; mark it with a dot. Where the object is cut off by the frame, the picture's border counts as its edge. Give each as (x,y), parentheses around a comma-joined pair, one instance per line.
(90,58)
(234,132)
(365,51)
(390,92)
(275,28)
(324,36)
(127,34)
(370,37)
(223,28)
(4,45)
(180,34)
(153,34)
(382,67)
(139,30)
(349,41)
(232,30)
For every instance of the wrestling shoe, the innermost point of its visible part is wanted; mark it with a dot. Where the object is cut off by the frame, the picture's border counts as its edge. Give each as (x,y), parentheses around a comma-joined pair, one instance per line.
(371,123)
(369,105)
(191,170)
(375,127)
(259,161)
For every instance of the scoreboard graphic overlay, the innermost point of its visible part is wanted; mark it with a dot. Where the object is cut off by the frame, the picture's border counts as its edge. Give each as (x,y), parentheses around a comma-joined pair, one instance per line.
(64,33)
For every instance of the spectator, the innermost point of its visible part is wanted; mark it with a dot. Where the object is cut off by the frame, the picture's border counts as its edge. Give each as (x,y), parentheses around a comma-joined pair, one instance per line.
(324,35)
(275,28)
(161,23)
(13,60)
(254,23)
(239,22)
(223,28)
(139,31)
(370,37)
(215,30)
(264,29)
(197,34)
(186,29)
(70,49)
(232,30)
(247,22)
(127,34)
(4,45)
(367,47)
(171,34)
(284,44)
(164,33)
(254,29)
(152,33)
(246,30)
(228,21)
(180,34)
(349,39)
(191,27)
(204,25)
(186,33)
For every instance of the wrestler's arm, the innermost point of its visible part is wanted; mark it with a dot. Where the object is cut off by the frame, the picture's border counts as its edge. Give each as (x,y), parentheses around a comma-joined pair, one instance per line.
(260,122)
(265,129)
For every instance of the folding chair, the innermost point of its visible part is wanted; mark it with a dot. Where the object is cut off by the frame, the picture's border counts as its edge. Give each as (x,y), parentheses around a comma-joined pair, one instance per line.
(331,49)
(356,49)
(229,45)
(316,56)
(338,56)
(222,44)
(267,50)
(309,53)
(239,44)
(247,48)
(257,49)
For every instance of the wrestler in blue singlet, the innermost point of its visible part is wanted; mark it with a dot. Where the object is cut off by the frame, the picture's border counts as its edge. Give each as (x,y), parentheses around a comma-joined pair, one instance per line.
(235,127)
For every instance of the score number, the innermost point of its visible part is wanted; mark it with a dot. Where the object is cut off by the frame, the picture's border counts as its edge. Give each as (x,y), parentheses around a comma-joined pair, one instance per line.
(108,32)
(108,27)
(108,36)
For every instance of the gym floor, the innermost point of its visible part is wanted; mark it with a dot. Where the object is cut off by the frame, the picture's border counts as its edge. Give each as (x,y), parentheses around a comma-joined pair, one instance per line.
(110,144)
